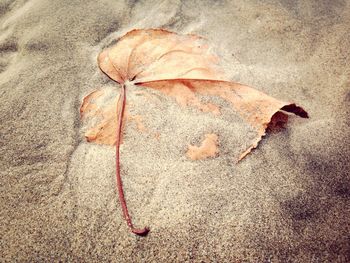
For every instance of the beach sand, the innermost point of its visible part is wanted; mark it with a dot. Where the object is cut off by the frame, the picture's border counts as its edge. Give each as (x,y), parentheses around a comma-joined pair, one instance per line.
(287,201)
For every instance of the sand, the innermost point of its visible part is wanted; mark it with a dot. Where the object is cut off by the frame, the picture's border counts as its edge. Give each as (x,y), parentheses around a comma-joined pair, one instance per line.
(288,201)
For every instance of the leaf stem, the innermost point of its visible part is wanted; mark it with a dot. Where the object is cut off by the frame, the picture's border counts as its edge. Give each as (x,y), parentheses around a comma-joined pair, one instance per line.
(120,111)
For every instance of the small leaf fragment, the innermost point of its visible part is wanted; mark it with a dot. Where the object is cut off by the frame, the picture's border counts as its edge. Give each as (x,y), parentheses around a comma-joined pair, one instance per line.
(207,149)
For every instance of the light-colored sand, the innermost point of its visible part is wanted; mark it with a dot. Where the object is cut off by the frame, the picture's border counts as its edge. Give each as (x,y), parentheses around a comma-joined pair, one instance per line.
(286,202)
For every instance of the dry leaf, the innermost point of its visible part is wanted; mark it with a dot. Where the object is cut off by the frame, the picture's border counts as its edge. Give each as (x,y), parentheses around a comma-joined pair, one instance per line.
(180,66)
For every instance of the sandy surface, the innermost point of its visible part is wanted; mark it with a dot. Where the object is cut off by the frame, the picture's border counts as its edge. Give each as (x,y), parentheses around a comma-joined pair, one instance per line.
(286,202)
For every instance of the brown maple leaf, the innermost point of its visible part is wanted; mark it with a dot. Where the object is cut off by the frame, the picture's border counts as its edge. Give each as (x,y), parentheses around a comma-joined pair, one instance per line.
(180,66)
